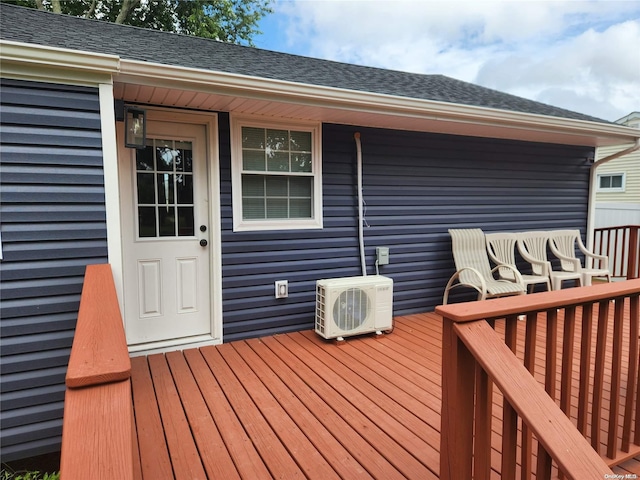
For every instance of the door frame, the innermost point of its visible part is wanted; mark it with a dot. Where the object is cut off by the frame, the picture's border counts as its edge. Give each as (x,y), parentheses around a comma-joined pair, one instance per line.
(210,123)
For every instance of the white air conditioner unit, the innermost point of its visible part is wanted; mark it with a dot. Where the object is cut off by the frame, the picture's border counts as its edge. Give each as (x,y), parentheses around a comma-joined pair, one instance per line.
(353,306)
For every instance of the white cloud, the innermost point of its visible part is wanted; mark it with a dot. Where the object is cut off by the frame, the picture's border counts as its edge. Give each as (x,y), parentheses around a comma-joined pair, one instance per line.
(580,55)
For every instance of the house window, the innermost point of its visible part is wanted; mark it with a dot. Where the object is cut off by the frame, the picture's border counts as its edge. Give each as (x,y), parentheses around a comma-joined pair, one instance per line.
(276,176)
(611,182)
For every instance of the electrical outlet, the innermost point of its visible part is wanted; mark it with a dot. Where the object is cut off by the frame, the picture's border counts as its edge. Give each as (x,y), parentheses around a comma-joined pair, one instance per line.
(282,288)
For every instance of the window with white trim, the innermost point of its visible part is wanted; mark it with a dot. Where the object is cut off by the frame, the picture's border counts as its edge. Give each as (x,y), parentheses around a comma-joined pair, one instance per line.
(276,170)
(611,182)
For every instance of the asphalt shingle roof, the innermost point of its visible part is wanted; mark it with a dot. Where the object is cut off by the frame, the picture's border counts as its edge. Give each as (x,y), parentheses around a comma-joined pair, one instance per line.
(43,28)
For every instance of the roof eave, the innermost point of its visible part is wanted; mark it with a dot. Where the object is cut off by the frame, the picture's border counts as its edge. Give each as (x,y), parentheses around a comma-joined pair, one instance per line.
(375,103)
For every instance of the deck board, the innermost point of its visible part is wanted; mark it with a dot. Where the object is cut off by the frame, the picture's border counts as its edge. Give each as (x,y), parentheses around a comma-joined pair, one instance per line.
(297,406)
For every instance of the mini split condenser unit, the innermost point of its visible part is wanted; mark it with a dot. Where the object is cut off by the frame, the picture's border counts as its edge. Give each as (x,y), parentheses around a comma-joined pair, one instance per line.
(353,306)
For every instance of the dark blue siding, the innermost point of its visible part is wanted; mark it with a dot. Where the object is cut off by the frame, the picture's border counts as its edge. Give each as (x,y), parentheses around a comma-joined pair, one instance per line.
(416,187)
(53,224)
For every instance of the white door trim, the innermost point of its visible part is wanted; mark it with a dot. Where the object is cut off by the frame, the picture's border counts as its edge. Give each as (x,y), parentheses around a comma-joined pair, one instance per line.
(210,122)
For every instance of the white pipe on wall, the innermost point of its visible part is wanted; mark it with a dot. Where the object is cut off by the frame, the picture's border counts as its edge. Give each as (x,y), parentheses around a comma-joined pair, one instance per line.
(363,262)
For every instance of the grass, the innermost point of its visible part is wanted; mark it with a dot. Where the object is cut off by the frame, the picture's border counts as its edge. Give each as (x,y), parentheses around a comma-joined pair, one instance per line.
(9,474)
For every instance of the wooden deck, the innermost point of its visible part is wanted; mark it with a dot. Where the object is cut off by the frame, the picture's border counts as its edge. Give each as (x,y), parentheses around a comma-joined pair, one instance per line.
(296,406)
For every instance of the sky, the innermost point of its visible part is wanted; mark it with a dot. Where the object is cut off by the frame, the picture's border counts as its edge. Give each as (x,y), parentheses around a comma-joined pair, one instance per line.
(580,55)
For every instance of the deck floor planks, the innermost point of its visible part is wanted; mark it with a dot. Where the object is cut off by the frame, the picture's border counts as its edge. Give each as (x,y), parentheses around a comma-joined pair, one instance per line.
(290,435)
(152,446)
(297,405)
(366,455)
(246,458)
(184,455)
(389,437)
(276,458)
(326,444)
(373,388)
(213,452)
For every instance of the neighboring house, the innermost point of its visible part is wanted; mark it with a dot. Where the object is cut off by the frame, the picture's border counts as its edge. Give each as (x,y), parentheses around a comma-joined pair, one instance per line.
(251,152)
(618,183)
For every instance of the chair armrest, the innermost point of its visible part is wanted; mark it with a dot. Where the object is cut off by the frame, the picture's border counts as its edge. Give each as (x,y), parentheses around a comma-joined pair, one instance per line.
(545,265)
(603,259)
(482,289)
(575,261)
(516,273)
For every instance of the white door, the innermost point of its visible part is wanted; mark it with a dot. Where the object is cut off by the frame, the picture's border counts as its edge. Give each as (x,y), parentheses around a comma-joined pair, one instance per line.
(166,236)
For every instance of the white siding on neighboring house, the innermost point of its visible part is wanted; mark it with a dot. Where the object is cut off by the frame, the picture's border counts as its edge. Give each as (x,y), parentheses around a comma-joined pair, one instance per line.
(619,205)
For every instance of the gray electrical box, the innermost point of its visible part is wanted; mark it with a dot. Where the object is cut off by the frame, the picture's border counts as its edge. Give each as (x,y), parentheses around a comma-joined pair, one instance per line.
(382,255)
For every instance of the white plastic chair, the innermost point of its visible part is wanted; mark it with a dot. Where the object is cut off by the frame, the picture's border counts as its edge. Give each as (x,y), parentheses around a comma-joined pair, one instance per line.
(563,245)
(501,248)
(533,248)
(474,270)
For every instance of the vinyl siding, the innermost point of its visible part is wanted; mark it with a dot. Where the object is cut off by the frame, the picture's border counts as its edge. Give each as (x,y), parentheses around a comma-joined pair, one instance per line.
(416,186)
(53,224)
(628,165)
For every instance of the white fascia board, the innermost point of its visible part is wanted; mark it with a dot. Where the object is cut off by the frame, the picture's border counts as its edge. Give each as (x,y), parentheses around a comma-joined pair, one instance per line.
(330,97)
(49,64)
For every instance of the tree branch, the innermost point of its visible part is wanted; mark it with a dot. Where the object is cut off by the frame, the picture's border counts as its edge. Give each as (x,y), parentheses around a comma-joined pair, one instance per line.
(127,6)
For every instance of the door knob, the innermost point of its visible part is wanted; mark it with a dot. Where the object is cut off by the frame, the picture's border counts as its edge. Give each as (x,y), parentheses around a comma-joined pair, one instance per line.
(203,243)
(203,228)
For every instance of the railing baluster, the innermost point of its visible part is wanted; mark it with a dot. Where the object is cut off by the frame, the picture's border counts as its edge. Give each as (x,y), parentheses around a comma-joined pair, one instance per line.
(483,417)
(616,364)
(543,467)
(566,381)
(529,363)
(585,367)
(632,380)
(509,415)
(598,373)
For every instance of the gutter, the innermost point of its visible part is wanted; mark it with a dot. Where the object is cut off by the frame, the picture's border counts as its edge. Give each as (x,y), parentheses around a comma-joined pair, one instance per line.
(592,186)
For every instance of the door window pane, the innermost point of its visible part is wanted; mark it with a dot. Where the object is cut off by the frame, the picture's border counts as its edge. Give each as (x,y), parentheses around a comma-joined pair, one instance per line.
(164,180)
(147,221)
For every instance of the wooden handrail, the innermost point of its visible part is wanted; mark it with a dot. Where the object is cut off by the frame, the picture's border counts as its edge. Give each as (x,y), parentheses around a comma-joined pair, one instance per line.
(98,434)
(476,357)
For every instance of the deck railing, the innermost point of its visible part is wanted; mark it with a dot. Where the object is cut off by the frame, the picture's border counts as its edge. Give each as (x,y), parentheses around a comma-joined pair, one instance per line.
(98,431)
(558,411)
(622,246)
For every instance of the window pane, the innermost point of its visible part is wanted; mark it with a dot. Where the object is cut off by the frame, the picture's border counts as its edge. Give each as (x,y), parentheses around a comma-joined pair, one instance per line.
(278,162)
(277,208)
(300,208)
(184,188)
(616,181)
(165,154)
(184,161)
(300,187)
(277,186)
(185,221)
(301,162)
(253,137)
(301,141)
(165,188)
(277,140)
(146,191)
(605,182)
(253,209)
(167,221)
(252,186)
(253,160)
(144,158)
(146,221)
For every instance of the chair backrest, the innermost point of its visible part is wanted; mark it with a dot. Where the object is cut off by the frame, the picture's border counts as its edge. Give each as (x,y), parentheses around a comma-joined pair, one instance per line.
(534,244)
(565,242)
(501,248)
(470,251)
